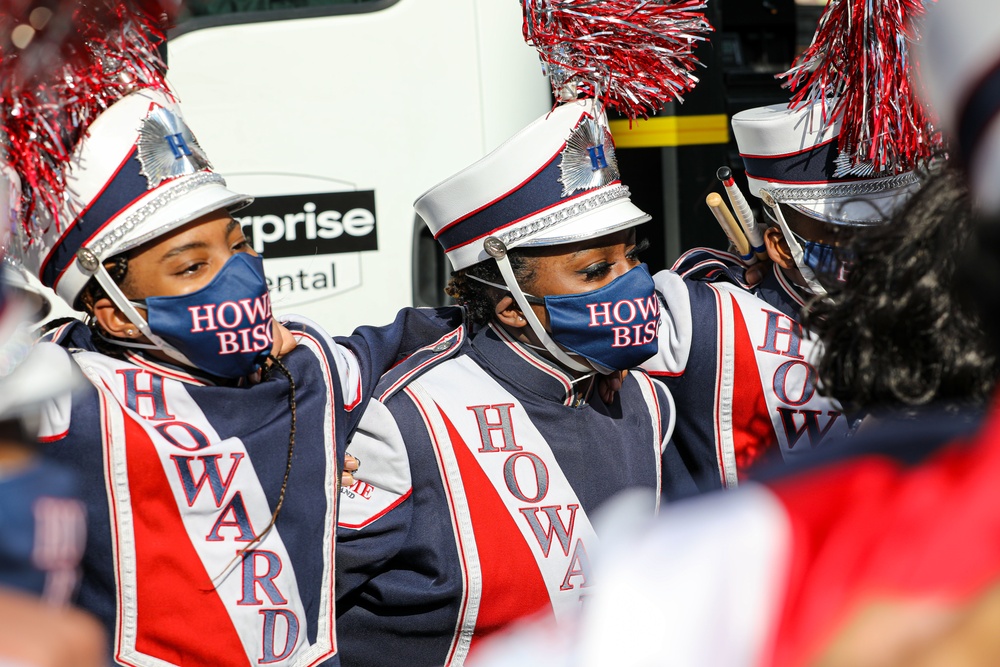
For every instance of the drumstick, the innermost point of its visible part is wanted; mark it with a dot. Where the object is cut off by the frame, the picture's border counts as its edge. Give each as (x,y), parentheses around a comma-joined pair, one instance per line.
(730,227)
(753,231)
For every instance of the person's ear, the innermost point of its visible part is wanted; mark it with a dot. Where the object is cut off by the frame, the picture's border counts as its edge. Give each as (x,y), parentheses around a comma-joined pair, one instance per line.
(777,248)
(112,320)
(509,313)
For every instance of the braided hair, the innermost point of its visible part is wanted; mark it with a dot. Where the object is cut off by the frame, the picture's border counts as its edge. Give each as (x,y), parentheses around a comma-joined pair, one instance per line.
(479,299)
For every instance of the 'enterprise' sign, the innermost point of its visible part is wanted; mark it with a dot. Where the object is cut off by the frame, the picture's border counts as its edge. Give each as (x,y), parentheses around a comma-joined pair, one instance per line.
(316,224)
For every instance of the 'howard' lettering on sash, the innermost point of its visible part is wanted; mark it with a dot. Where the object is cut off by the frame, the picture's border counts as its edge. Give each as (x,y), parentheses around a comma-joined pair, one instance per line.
(144,396)
(794,382)
(527,479)
(620,314)
(231,316)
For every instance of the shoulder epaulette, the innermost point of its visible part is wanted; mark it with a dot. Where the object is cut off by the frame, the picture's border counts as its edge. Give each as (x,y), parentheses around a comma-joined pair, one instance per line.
(420,362)
(65,331)
(707,265)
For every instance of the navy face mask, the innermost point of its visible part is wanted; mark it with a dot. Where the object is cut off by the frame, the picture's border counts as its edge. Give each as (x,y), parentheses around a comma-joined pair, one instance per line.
(225,327)
(825,260)
(614,326)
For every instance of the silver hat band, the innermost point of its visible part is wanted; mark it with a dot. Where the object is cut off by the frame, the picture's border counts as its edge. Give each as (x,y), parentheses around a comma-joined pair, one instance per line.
(193,182)
(582,205)
(844,189)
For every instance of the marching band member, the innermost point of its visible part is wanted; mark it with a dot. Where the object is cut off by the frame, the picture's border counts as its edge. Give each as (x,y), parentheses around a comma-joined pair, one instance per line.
(735,355)
(490,450)
(878,554)
(843,156)
(209,439)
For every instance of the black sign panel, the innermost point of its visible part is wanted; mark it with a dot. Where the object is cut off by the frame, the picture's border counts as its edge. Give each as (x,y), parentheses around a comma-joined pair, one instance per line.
(317,224)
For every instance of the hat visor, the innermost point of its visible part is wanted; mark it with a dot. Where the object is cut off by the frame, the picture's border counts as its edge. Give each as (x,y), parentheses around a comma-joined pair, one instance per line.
(174,207)
(859,211)
(857,204)
(613,217)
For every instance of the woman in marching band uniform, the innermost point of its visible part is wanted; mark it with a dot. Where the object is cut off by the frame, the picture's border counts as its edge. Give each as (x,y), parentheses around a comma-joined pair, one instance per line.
(491,450)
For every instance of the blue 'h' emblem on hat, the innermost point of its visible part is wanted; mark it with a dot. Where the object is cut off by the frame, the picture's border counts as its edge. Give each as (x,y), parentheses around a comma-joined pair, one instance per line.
(178,145)
(597,159)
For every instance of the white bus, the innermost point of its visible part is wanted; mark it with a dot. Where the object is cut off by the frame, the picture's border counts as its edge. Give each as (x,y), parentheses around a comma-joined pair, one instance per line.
(337,115)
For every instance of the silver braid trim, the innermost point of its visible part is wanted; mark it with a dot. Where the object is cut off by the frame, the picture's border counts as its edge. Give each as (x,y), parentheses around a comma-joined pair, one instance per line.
(844,190)
(193,182)
(579,207)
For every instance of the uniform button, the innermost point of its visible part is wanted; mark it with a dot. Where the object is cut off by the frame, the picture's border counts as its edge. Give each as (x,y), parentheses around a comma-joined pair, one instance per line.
(441,347)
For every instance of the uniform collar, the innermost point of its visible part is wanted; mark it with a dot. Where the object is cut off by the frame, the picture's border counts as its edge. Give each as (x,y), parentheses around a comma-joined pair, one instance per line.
(159,367)
(778,291)
(75,335)
(521,366)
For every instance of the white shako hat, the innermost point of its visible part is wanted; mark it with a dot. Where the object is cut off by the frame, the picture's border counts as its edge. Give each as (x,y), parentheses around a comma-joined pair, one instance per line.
(959,60)
(556,181)
(792,155)
(137,174)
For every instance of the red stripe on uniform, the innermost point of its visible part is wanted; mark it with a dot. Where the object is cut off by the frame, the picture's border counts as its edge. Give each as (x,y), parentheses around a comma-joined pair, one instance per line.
(179,615)
(512,585)
(753,431)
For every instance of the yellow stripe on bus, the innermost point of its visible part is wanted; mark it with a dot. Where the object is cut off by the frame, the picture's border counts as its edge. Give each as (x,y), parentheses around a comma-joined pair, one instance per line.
(671,131)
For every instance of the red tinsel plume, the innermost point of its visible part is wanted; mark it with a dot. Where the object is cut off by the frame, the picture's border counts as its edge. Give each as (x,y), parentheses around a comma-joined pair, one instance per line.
(859,67)
(634,55)
(61,64)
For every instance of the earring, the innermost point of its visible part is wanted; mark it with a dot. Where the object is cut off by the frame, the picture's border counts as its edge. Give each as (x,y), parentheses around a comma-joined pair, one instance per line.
(130,332)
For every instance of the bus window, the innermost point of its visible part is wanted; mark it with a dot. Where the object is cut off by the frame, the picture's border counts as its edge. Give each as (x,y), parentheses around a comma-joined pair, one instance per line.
(217,7)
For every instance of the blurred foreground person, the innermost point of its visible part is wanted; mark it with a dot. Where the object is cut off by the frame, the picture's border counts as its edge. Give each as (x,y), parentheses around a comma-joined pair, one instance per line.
(42,519)
(904,333)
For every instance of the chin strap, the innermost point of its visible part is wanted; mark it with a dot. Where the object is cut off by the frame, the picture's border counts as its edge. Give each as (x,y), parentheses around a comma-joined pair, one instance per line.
(91,265)
(496,249)
(793,245)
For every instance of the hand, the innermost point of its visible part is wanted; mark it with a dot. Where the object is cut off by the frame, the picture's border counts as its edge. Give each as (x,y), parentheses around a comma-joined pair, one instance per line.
(609,385)
(755,272)
(351,466)
(284,341)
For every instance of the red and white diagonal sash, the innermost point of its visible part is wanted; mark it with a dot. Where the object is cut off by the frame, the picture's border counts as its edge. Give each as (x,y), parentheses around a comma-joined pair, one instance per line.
(521,531)
(184,503)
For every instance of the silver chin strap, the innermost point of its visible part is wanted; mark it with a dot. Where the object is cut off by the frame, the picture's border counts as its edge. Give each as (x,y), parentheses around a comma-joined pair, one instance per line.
(793,245)
(496,249)
(91,265)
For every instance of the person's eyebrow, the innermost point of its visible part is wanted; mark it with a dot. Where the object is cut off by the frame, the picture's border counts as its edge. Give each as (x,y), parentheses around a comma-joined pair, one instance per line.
(591,249)
(630,240)
(182,249)
(233,224)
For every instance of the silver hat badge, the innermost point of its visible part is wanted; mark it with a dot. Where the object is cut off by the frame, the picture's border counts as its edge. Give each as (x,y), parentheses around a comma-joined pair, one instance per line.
(588,161)
(167,148)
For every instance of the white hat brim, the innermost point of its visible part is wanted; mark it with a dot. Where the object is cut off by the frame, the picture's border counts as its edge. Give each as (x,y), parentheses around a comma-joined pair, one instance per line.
(614,217)
(172,206)
(176,212)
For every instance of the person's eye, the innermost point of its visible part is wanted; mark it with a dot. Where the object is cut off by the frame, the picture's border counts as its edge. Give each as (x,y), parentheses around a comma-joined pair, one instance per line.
(596,271)
(191,269)
(636,250)
(241,246)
